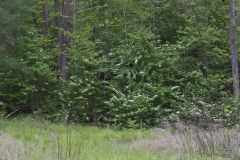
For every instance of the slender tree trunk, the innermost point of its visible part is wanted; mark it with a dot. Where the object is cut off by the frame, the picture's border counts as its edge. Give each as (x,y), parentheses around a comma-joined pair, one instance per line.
(45,24)
(125,18)
(60,24)
(58,20)
(67,21)
(66,38)
(233,48)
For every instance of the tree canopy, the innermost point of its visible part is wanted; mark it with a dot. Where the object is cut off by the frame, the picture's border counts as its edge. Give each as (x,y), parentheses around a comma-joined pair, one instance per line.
(127,63)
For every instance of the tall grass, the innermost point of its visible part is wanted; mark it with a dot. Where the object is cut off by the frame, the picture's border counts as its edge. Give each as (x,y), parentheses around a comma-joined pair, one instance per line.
(185,141)
(27,140)
(221,142)
(44,141)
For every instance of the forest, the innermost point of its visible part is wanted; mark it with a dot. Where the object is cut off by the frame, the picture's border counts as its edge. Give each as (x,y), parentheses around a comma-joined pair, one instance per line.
(122,65)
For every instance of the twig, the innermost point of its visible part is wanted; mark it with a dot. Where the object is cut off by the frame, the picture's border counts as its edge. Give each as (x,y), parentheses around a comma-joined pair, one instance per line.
(12,113)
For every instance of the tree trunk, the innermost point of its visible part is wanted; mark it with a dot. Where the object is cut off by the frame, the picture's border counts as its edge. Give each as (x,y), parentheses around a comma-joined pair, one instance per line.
(62,60)
(58,23)
(45,23)
(66,38)
(67,21)
(233,49)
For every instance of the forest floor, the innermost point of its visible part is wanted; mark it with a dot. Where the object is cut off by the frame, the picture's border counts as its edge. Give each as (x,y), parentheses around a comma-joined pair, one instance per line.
(27,139)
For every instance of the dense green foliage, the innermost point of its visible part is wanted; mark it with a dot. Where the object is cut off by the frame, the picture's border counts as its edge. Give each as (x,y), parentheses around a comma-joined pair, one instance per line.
(131,63)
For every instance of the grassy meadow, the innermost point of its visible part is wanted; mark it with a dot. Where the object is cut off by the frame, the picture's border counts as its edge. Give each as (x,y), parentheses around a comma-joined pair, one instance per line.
(27,139)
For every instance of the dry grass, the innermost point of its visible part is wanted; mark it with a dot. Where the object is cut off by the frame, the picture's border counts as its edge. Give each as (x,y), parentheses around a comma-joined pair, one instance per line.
(10,148)
(223,143)
(164,143)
